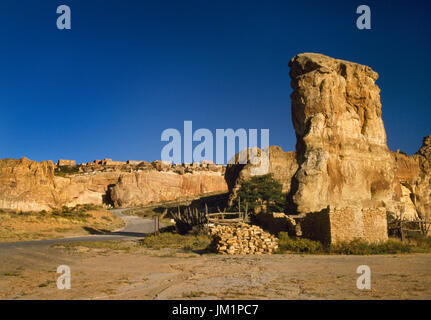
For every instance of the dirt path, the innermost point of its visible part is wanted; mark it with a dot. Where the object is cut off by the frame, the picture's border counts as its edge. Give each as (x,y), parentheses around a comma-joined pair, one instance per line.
(136,227)
(30,273)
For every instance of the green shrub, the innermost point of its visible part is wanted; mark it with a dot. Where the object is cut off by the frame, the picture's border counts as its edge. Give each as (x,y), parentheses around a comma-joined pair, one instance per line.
(78,212)
(262,190)
(355,247)
(360,247)
(420,244)
(299,245)
(66,170)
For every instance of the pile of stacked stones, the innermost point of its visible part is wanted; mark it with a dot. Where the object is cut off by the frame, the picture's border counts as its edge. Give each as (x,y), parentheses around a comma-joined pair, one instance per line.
(241,239)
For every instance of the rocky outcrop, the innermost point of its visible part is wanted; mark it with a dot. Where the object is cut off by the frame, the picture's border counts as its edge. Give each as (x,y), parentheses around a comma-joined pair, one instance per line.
(33,186)
(91,188)
(422,190)
(341,141)
(153,186)
(26,185)
(414,176)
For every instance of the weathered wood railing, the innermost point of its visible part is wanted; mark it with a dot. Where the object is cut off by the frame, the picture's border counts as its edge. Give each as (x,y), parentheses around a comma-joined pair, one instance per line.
(227,217)
(189,217)
(405,228)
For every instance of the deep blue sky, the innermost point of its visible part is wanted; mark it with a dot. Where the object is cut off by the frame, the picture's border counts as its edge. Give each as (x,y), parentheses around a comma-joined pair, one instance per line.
(129,69)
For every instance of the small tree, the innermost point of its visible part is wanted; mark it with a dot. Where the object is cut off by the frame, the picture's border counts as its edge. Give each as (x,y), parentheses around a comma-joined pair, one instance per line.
(262,190)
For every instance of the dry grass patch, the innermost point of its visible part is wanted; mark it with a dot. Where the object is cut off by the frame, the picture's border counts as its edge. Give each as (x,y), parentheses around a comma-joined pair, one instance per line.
(81,220)
(100,246)
(172,240)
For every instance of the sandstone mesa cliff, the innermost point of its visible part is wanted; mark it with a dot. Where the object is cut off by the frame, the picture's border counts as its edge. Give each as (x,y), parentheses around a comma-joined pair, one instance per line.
(32,186)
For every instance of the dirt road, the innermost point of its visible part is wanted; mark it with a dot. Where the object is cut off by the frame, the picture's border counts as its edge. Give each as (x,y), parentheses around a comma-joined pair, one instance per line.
(30,273)
(135,228)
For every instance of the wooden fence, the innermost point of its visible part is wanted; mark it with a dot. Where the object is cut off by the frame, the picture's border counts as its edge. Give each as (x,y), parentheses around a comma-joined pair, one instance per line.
(409,228)
(226,218)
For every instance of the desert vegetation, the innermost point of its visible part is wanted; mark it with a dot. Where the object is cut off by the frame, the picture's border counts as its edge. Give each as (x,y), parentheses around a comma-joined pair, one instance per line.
(65,171)
(356,247)
(261,191)
(173,240)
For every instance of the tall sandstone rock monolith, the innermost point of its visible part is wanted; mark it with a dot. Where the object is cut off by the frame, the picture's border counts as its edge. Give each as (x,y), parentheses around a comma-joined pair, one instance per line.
(346,177)
(341,140)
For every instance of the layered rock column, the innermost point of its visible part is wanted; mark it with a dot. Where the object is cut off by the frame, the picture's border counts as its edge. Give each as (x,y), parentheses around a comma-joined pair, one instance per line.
(346,171)
(341,140)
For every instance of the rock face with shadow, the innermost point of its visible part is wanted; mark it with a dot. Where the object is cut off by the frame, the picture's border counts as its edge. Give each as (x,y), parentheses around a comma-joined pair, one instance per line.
(153,186)
(282,165)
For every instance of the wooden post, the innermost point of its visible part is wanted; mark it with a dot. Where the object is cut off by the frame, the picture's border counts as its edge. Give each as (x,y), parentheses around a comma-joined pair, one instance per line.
(156,225)
(165,212)
(206,213)
(401,225)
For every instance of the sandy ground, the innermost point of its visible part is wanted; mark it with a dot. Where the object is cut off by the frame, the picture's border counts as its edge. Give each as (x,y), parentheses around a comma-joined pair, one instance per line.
(30,273)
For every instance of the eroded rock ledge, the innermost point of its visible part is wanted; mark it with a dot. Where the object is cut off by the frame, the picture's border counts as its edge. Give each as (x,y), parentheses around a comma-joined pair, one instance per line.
(33,186)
